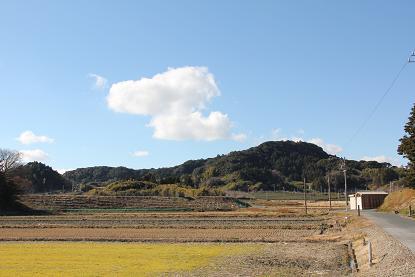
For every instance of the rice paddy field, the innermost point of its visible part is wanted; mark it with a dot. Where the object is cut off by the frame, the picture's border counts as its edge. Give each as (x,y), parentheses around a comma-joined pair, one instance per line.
(272,238)
(116,259)
(160,259)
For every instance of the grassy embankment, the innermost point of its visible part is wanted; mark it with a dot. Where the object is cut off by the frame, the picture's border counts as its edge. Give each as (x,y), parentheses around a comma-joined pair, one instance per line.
(399,201)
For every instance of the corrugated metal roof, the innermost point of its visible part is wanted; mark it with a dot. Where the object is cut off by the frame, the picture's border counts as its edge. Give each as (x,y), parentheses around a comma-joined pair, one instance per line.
(371,192)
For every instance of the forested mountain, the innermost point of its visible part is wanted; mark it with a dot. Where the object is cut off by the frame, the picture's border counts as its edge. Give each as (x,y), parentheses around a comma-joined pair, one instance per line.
(274,164)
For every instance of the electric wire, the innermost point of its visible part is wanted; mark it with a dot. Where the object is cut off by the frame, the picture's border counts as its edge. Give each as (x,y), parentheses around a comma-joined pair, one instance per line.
(376,107)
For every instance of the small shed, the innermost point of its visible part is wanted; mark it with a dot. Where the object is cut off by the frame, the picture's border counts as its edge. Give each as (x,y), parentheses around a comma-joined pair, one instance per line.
(366,199)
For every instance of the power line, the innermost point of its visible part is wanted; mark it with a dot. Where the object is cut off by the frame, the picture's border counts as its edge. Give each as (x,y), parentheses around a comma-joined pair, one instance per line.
(376,107)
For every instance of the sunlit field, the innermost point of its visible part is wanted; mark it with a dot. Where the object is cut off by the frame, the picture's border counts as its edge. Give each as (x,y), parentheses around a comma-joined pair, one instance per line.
(115,259)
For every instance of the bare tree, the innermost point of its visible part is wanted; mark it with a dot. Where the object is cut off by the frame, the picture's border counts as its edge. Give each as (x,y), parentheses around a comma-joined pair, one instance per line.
(9,160)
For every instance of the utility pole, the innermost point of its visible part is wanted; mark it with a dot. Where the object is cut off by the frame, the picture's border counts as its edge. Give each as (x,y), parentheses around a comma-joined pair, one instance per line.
(328,184)
(343,167)
(305,197)
(411,58)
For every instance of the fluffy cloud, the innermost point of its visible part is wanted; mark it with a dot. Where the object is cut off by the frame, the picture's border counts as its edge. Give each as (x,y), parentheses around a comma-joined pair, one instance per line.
(99,81)
(239,137)
(141,153)
(382,159)
(34,155)
(276,134)
(297,139)
(329,148)
(28,137)
(175,100)
(63,170)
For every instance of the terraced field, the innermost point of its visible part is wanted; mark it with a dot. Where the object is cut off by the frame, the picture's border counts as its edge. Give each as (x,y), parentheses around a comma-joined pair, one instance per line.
(70,202)
(266,239)
(142,222)
(187,227)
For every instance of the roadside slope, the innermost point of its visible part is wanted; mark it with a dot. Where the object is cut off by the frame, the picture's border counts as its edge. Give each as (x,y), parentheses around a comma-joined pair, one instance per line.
(399,201)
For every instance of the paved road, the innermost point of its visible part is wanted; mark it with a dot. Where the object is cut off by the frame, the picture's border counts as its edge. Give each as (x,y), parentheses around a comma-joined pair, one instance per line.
(401,228)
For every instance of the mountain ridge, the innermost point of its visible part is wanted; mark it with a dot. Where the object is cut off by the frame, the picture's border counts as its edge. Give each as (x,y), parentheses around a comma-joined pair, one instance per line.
(272,164)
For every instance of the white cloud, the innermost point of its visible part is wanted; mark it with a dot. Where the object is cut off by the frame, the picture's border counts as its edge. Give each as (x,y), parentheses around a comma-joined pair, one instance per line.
(175,100)
(28,137)
(141,153)
(63,170)
(276,134)
(34,155)
(191,126)
(297,139)
(329,148)
(99,81)
(239,137)
(383,159)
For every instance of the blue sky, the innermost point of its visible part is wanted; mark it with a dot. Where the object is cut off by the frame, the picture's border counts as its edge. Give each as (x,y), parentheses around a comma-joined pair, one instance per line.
(257,71)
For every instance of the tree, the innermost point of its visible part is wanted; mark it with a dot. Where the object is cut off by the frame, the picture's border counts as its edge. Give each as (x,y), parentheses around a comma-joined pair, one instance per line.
(9,160)
(8,192)
(41,178)
(407,147)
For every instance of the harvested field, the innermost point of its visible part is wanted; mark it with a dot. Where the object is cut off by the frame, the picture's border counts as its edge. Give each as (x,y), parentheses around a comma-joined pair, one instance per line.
(276,239)
(172,227)
(155,234)
(283,259)
(144,259)
(65,202)
(142,221)
(104,259)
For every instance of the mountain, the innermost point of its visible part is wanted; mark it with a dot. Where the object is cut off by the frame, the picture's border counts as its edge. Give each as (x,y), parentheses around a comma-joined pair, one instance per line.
(36,177)
(273,164)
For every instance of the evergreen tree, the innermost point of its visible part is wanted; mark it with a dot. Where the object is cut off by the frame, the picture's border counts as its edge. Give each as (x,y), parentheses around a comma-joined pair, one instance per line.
(8,192)
(407,147)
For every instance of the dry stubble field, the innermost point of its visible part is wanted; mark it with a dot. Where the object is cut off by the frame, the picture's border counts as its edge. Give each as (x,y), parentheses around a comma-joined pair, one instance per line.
(271,239)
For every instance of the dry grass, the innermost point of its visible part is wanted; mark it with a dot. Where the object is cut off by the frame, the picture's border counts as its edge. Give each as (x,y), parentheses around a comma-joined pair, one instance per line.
(399,200)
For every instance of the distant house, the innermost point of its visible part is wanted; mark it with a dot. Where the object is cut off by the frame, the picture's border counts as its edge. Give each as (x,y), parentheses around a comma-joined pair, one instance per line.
(366,199)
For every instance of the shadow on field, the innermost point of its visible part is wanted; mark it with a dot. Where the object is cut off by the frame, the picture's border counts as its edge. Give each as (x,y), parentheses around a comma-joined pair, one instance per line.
(17,208)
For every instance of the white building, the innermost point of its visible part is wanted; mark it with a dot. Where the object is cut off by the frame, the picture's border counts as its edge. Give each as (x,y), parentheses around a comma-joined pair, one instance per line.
(367,199)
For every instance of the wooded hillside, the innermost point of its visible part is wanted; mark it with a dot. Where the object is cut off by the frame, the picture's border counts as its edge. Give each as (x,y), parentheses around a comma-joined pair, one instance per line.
(274,164)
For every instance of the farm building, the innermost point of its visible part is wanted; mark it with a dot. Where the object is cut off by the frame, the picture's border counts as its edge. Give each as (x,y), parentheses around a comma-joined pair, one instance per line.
(366,199)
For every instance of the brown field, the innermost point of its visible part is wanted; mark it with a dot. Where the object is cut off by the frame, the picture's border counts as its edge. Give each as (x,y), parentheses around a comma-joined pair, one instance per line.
(272,238)
(156,234)
(244,226)
(70,202)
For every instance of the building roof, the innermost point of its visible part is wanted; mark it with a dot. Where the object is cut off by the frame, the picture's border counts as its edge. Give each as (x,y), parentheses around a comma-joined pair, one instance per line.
(369,192)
